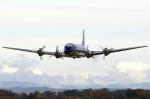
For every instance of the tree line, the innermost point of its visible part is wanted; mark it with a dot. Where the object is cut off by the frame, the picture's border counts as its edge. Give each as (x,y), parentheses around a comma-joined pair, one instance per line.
(79,94)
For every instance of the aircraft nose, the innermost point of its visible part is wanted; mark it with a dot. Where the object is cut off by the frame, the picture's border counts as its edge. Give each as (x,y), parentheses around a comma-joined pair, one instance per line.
(68,49)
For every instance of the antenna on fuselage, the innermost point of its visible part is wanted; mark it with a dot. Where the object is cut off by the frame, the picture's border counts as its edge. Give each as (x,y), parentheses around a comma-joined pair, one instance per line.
(83,39)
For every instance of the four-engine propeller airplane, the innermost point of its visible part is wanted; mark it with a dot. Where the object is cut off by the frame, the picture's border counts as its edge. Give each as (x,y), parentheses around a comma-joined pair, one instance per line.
(72,50)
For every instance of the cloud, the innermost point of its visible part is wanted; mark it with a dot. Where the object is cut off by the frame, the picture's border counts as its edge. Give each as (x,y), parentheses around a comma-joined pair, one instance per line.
(37,72)
(28,68)
(135,71)
(8,69)
(18,63)
(24,62)
(132,66)
(125,72)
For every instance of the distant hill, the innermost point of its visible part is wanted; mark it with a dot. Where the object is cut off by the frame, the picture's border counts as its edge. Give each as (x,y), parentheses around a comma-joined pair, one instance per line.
(11,84)
(145,85)
(33,89)
(27,87)
(93,86)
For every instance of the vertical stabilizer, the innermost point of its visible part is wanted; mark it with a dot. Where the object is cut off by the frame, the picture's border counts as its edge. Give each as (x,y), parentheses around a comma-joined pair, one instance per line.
(83,39)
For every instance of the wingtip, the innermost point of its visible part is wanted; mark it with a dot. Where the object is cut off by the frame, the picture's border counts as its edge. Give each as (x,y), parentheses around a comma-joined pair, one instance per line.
(6,47)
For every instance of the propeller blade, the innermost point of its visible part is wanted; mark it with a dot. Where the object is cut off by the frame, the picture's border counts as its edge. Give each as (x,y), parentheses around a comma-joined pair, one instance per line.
(43,47)
(104,57)
(57,48)
(41,58)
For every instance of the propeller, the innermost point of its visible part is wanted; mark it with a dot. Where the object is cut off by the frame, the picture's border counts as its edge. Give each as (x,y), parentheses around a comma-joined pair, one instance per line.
(41,58)
(87,49)
(57,48)
(57,54)
(104,57)
(40,52)
(106,51)
(88,53)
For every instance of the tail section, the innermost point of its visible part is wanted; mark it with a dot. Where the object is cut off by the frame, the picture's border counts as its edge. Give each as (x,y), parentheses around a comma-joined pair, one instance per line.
(83,39)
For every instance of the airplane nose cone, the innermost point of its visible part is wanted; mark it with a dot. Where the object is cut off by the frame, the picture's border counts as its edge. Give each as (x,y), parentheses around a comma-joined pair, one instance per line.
(68,49)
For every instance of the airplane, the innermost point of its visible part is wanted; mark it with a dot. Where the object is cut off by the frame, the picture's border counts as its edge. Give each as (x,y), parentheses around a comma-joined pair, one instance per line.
(72,50)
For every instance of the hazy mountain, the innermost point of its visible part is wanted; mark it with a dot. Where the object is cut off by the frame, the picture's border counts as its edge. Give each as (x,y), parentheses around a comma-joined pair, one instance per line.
(33,89)
(145,85)
(93,86)
(28,87)
(11,84)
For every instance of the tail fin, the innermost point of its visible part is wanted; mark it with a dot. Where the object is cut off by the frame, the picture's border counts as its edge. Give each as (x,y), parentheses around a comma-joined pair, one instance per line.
(83,39)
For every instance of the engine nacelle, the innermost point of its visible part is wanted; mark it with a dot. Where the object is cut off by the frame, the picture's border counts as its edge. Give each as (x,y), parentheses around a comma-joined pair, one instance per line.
(57,54)
(89,54)
(106,51)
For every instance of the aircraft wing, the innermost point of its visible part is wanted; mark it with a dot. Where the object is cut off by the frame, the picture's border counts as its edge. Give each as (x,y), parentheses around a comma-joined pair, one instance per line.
(40,51)
(108,51)
(26,50)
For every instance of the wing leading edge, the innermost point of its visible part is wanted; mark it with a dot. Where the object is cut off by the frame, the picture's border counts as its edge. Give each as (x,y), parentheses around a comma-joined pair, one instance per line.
(26,50)
(58,54)
(40,51)
(107,51)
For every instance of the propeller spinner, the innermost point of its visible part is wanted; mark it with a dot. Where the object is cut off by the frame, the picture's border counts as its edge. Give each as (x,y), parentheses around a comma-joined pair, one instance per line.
(40,52)
(57,53)
(106,52)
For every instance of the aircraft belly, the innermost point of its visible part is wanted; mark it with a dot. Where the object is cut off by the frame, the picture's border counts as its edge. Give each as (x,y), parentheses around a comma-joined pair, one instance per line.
(74,54)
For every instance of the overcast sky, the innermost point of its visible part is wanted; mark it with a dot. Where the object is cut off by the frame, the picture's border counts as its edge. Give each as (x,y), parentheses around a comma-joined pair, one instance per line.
(108,23)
